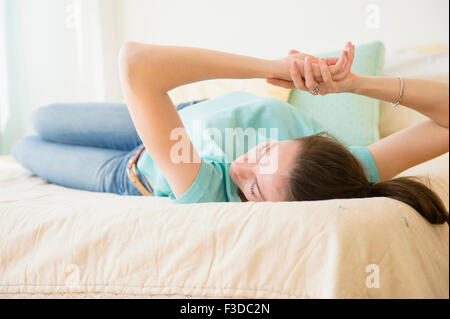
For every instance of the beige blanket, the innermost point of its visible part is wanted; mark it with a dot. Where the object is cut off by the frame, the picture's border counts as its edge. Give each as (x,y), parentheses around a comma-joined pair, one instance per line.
(57,241)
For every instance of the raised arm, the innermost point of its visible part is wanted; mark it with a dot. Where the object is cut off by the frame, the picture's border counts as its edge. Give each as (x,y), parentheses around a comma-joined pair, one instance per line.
(427,97)
(418,143)
(410,146)
(177,65)
(148,72)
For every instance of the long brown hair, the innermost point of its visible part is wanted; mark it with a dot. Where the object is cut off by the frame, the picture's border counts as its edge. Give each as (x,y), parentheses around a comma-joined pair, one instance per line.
(326,169)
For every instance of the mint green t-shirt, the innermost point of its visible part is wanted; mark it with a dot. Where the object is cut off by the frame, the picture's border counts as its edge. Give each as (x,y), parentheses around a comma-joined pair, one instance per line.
(241,120)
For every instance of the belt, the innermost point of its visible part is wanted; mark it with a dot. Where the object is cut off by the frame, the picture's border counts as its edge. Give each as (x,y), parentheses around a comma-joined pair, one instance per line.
(133,176)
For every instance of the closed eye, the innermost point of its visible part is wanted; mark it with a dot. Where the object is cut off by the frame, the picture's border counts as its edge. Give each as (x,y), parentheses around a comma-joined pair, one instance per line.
(264,151)
(252,190)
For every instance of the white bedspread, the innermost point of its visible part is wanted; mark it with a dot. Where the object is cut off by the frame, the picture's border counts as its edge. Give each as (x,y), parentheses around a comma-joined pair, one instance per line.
(56,240)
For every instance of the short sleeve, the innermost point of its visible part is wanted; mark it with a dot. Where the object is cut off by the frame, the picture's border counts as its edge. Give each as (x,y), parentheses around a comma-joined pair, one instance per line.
(208,186)
(363,154)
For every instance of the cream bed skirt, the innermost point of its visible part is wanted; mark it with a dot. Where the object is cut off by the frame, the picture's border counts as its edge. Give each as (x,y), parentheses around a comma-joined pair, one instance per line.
(57,242)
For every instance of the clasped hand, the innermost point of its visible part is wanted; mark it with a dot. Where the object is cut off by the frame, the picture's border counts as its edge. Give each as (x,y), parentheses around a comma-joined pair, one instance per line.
(317,75)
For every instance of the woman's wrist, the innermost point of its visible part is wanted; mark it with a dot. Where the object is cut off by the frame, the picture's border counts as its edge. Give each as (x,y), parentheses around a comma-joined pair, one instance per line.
(354,83)
(277,69)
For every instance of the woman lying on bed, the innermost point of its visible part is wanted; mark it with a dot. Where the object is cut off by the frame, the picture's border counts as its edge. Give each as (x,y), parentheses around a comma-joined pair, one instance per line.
(236,147)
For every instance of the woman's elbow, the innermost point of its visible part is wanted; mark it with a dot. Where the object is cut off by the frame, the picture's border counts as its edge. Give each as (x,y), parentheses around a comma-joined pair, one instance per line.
(136,64)
(128,58)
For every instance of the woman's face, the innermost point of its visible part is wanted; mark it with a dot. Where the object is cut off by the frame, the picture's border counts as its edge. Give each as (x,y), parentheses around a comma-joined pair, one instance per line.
(261,174)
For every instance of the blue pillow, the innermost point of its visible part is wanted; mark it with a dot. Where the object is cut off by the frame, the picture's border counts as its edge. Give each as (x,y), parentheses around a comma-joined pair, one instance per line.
(352,119)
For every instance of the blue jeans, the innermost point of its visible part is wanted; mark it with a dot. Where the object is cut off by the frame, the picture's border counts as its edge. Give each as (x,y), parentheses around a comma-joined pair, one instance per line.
(85,146)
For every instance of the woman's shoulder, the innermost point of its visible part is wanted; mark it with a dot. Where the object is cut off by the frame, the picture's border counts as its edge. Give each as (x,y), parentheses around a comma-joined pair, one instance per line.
(210,185)
(363,154)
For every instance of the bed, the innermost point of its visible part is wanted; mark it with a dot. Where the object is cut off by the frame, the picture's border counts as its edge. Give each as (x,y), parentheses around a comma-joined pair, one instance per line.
(57,242)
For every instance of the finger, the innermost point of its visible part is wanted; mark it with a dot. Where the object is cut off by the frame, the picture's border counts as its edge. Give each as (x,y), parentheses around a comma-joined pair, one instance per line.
(313,59)
(303,56)
(332,61)
(348,65)
(350,59)
(326,75)
(309,78)
(315,65)
(353,53)
(296,76)
(293,52)
(343,74)
(337,68)
(316,71)
(281,83)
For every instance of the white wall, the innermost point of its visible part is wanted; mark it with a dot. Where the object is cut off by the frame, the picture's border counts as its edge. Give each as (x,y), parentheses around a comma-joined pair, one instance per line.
(36,67)
(55,51)
(268,28)
(66,50)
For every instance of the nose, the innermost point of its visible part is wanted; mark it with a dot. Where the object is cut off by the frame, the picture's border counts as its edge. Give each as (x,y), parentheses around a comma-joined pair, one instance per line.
(244,169)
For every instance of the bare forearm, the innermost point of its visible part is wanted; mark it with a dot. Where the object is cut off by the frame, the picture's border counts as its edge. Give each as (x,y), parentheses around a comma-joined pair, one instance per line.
(168,67)
(427,97)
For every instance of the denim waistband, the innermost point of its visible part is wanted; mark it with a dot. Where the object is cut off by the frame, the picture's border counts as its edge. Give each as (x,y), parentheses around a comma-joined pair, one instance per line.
(142,178)
(144,181)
